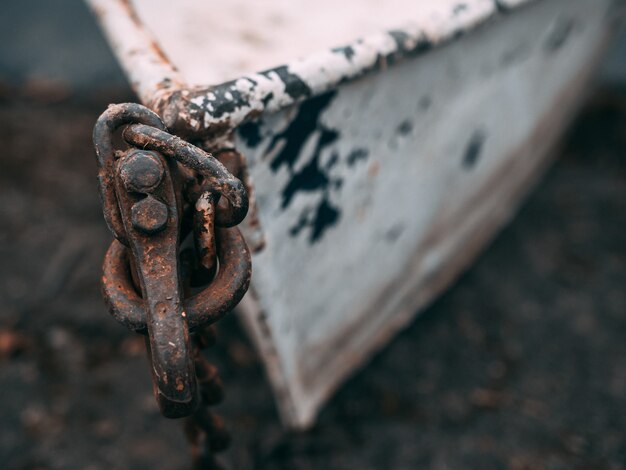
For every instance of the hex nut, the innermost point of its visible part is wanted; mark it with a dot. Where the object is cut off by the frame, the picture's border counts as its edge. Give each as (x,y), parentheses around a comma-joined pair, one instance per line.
(149,215)
(141,171)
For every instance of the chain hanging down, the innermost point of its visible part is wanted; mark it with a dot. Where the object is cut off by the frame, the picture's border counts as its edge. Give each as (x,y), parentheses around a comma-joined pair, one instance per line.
(155,194)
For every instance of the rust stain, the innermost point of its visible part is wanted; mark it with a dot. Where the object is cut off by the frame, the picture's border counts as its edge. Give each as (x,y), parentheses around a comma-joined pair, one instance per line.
(132,14)
(154,47)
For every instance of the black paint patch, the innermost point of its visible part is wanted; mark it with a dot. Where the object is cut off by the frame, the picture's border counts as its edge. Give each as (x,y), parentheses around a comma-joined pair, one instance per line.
(406,47)
(326,216)
(559,35)
(302,223)
(425,102)
(294,86)
(254,83)
(226,99)
(250,133)
(474,149)
(458,34)
(313,177)
(459,8)
(357,155)
(267,98)
(401,38)
(501,7)
(394,232)
(347,51)
(334,158)
(323,217)
(403,44)
(405,127)
(517,54)
(299,130)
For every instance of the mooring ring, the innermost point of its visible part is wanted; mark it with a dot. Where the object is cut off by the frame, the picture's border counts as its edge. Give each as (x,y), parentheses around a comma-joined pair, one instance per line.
(206,307)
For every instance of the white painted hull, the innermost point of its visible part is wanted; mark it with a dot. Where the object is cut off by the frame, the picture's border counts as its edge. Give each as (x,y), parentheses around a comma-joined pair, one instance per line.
(375,190)
(443,147)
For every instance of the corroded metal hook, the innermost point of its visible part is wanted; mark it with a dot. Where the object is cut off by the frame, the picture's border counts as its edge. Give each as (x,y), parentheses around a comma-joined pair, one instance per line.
(141,195)
(148,208)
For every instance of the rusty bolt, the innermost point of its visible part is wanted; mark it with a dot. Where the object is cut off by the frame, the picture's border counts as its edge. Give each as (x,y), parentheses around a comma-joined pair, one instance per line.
(149,215)
(141,172)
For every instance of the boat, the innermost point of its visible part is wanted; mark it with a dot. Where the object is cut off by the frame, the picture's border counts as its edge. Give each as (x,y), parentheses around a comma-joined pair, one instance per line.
(385,145)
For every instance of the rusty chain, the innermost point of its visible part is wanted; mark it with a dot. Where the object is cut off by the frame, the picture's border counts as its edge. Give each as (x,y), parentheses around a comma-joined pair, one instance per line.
(156,193)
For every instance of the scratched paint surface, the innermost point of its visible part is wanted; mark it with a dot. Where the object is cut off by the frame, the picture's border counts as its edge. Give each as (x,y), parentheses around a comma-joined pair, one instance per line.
(367,193)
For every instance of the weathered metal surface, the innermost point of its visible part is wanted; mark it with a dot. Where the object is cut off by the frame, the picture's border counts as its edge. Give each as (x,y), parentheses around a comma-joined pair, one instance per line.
(374,197)
(155,256)
(380,168)
(150,211)
(198,101)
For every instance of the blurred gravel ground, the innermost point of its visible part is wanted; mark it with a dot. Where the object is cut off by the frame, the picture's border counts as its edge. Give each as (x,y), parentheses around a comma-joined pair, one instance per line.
(521,365)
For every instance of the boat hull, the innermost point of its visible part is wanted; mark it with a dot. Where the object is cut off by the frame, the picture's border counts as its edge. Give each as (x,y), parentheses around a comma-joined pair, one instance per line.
(374,196)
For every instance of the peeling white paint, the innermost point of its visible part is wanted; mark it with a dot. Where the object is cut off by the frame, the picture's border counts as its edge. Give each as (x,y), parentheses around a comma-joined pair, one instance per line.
(328,305)
(217,41)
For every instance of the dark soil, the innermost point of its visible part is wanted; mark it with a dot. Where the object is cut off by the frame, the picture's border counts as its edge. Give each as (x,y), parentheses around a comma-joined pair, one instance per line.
(522,364)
